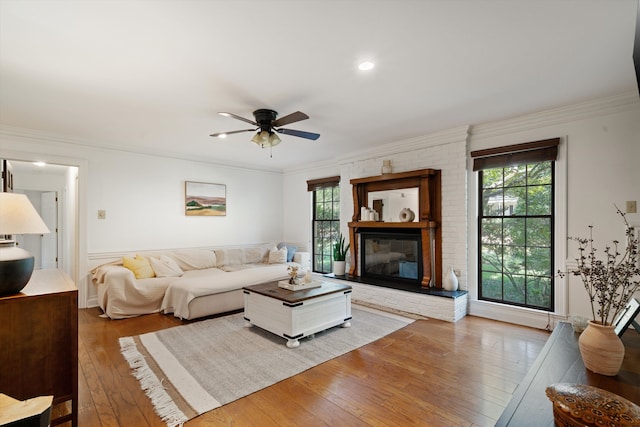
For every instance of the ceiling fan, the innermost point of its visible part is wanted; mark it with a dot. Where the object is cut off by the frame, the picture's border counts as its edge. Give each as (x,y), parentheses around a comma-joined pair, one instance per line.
(267,126)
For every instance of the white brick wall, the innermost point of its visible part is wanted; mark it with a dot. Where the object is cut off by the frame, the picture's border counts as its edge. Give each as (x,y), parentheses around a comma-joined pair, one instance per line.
(447,152)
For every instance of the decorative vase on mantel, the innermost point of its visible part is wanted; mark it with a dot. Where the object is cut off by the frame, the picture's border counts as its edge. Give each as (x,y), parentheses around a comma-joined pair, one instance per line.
(407,215)
(601,349)
(386,167)
(450,280)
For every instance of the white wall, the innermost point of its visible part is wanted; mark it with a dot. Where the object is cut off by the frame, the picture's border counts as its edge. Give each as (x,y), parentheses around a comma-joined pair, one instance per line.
(143,196)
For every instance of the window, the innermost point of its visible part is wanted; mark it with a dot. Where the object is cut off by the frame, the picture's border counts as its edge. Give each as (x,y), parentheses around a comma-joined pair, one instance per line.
(326,221)
(515,227)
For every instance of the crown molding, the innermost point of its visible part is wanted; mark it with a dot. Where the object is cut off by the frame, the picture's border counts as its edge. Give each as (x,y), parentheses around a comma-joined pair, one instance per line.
(30,135)
(614,104)
(448,136)
(309,167)
(453,135)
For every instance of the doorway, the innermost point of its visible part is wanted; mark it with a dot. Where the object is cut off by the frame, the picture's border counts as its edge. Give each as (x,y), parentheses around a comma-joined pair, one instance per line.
(45,248)
(51,189)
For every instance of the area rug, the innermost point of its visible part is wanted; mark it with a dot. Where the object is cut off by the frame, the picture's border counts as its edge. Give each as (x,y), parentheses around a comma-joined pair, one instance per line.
(189,370)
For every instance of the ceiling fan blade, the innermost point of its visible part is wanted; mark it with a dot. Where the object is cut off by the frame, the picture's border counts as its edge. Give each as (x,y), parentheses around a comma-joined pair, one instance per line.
(299,133)
(238,118)
(219,134)
(290,118)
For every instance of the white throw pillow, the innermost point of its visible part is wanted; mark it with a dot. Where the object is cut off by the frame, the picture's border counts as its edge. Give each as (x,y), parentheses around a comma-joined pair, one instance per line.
(165,267)
(194,259)
(278,256)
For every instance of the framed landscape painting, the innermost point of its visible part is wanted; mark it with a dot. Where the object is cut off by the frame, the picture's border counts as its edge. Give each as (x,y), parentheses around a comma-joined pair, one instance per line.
(203,199)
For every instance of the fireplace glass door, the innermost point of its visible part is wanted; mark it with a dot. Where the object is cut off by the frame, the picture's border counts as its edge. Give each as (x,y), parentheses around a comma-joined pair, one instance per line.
(391,256)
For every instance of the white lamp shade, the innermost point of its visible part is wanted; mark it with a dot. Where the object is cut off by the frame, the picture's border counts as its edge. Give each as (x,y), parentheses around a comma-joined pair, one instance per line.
(18,216)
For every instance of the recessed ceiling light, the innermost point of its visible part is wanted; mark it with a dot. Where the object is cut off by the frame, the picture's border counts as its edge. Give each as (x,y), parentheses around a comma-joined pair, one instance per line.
(40,164)
(366,66)
(222,135)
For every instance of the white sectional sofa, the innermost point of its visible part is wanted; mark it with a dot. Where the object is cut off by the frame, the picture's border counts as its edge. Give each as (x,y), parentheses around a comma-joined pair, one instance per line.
(189,283)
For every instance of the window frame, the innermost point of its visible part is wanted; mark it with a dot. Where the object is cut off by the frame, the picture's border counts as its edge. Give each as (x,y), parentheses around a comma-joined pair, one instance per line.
(315,186)
(552,228)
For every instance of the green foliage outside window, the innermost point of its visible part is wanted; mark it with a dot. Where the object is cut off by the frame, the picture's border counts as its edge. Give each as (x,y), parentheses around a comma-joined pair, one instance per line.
(326,227)
(516,235)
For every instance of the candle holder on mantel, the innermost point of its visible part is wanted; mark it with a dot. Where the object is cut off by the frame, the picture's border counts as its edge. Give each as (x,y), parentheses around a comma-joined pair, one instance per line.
(386,167)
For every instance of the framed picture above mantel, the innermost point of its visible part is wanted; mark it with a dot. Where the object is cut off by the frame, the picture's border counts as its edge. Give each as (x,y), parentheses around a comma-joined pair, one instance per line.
(205,199)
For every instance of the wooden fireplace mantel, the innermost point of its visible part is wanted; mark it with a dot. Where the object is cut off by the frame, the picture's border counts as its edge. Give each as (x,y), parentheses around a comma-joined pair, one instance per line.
(428,221)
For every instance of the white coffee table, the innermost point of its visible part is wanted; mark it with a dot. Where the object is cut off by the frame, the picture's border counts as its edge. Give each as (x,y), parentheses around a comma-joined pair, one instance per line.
(297,314)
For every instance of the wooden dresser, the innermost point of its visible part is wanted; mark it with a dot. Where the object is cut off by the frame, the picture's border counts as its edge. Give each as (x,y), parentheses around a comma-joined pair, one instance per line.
(39,343)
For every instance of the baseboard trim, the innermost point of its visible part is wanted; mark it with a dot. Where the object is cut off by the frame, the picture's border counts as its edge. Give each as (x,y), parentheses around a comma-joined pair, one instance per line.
(92,302)
(516,315)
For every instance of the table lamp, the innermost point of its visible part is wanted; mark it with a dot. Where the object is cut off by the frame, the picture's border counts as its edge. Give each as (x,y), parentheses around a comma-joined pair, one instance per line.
(17,216)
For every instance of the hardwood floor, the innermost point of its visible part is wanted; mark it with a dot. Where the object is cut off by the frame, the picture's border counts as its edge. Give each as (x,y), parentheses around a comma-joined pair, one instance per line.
(430,373)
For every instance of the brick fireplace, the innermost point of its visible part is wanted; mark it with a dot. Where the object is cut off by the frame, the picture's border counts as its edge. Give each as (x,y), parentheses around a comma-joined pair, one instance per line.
(409,252)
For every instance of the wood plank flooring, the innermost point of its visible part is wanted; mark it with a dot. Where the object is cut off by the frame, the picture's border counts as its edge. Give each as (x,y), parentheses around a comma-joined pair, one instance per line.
(430,373)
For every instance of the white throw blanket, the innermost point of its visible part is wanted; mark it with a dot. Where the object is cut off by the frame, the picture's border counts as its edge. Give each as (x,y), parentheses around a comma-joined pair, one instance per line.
(121,295)
(181,292)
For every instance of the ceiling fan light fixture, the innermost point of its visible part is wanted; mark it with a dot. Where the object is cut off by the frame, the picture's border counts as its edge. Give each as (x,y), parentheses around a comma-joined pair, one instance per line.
(266,125)
(257,139)
(273,139)
(261,138)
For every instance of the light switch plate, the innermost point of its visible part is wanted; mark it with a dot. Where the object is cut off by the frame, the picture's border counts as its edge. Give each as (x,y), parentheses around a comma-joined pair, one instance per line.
(102,214)
(632,206)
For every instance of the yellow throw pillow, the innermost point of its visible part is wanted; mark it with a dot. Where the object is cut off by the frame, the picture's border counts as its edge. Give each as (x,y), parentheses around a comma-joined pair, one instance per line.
(140,266)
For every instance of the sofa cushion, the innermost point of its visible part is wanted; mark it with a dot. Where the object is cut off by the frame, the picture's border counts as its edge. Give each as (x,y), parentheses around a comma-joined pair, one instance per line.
(165,266)
(278,256)
(229,257)
(194,259)
(256,255)
(140,266)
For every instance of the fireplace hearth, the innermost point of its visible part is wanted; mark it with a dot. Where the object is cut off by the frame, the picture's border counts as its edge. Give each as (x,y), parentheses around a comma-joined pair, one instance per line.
(401,285)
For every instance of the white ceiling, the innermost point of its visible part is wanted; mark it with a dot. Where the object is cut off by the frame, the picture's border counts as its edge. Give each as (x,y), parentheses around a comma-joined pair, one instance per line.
(151,76)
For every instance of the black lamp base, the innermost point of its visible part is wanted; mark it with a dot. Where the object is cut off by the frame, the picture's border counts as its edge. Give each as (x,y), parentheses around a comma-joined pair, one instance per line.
(16,267)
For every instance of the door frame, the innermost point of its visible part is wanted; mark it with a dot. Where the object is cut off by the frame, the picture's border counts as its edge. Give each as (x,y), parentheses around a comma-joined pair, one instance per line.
(77,241)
